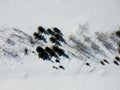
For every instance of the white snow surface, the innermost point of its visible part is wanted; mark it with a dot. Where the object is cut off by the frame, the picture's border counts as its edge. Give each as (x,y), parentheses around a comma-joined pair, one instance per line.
(31,73)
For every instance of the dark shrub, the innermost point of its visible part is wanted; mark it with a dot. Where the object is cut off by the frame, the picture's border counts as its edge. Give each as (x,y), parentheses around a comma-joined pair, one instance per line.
(40,49)
(115,62)
(41,29)
(56,30)
(118,34)
(119,50)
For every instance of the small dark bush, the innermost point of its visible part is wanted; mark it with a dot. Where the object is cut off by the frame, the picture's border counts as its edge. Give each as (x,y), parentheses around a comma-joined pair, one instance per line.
(41,29)
(115,62)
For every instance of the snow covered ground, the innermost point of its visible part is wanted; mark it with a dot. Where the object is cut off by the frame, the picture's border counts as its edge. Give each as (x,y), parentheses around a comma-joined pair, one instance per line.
(31,73)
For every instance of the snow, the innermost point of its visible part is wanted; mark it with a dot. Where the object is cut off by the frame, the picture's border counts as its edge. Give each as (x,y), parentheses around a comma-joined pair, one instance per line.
(31,73)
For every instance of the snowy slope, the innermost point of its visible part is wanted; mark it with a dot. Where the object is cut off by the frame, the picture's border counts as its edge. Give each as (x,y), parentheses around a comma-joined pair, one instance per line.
(28,72)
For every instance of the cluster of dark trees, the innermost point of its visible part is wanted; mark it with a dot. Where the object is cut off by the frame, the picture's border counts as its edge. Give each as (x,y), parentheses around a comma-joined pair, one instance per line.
(48,52)
(44,53)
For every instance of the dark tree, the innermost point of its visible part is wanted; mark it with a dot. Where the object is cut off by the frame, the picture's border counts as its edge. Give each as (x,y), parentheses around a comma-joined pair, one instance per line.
(50,31)
(115,62)
(58,50)
(118,34)
(58,37)
(87,64)
(58,61)
(53,40)
(37,36)
(40,49)
(117,58)
(105,61)
(26,51)
(41,29)
(50,51)
(102,62)
(56,30)
(60,66)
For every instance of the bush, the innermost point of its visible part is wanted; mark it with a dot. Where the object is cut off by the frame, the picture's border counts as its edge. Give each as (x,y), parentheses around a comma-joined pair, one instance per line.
(37,36)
